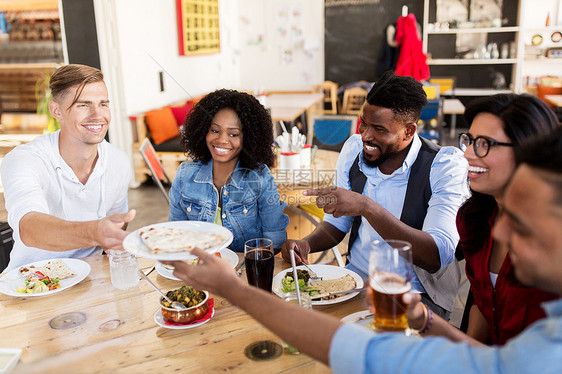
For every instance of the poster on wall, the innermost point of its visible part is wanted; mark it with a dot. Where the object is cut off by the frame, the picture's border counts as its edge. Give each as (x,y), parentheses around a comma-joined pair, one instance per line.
(198,27)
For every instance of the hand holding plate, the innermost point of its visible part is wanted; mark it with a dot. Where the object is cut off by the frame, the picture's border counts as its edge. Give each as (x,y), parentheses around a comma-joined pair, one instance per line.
(109,231)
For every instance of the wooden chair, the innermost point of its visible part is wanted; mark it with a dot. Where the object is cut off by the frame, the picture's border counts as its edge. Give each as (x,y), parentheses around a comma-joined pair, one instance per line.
(330,91)
(153,163)
(353,100)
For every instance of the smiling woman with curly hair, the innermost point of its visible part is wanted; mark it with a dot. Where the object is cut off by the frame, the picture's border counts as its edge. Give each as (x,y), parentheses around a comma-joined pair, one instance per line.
(229,136)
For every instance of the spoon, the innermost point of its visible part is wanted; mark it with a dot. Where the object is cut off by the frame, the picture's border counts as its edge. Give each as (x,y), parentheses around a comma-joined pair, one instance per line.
(175,304)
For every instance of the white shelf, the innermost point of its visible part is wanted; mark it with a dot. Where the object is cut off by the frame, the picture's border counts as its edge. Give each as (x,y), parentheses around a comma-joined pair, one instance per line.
(467,61)
(533,15)
(543,60)
(475,30)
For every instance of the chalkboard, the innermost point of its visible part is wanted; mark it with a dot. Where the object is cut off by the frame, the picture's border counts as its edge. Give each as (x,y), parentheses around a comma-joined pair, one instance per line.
(354,31)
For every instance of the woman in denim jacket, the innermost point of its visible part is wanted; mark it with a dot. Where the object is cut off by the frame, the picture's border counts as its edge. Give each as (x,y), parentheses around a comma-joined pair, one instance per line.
(229,136)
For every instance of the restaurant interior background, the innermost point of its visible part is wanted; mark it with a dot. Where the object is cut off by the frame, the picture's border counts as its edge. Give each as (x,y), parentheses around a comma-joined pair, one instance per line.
(273,45)
(266,46)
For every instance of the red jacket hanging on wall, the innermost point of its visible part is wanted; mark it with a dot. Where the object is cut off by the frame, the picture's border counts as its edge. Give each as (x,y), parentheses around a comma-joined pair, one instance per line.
(412,60)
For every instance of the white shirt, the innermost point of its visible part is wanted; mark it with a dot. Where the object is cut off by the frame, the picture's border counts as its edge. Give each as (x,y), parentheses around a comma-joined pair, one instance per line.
(448,180)
(37,179)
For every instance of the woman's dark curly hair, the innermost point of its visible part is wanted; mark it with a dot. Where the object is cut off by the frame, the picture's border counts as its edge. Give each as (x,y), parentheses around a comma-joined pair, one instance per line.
(257,128)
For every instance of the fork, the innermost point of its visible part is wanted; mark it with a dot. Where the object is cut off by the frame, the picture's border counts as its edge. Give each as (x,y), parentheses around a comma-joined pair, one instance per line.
(313,275)
(240,268)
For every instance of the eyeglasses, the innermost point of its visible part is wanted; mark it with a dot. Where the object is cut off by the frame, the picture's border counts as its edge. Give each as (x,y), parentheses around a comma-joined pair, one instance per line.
(482,145)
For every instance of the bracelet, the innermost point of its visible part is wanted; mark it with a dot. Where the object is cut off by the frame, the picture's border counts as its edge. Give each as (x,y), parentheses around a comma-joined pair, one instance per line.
(424,323)
(428,321)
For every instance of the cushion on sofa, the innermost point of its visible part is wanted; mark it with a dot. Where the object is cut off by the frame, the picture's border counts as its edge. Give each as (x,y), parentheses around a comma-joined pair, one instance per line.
(180,112)
(161,124)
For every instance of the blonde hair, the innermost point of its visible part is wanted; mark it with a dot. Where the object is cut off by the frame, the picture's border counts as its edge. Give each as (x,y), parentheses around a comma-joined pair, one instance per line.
(72,75)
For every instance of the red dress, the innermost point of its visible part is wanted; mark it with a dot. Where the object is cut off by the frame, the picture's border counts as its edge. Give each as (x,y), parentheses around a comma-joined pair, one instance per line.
(411,60)
(509,307)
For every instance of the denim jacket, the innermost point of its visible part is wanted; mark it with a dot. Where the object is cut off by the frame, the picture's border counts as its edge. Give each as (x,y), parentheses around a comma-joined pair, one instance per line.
(250,202)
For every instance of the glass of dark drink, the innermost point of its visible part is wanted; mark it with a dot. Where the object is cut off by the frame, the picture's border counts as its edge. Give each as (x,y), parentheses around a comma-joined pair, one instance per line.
(390,274)
(258,255)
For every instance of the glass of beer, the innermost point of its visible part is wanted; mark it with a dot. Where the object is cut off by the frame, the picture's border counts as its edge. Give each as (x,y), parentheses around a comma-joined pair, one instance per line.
(258,255)
(390,274)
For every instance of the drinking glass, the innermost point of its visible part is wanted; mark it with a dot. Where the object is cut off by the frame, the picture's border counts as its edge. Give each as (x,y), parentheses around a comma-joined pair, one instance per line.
(390,275)
(124,269)
(306,303)
(258,255)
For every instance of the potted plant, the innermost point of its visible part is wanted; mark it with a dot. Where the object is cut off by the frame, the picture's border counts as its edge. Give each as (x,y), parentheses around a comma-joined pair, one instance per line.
(43,97)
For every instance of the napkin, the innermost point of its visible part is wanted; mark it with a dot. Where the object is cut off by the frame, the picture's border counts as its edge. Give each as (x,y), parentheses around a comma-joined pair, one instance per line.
(210,305)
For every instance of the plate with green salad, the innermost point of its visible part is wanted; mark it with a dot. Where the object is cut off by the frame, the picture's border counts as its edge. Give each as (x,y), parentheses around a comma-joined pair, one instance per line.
(283,282)
(41,279)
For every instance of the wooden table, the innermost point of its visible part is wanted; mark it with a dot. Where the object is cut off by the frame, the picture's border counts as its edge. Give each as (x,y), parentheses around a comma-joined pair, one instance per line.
(286,114)
(137,344)
(555,100)
(293,100)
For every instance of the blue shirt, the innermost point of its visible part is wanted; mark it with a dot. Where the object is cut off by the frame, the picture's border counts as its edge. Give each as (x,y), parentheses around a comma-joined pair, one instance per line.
(448,180)
(538,349)
(250,202)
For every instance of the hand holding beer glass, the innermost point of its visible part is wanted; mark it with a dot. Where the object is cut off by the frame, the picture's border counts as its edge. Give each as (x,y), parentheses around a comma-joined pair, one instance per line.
(390,274)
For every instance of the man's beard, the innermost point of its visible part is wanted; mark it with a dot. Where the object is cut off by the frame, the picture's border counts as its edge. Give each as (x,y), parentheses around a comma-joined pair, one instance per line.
(375,163)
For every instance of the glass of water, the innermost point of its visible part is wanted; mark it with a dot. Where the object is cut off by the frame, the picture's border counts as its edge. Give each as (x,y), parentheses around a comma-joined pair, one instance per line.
(306,302)
(124,269)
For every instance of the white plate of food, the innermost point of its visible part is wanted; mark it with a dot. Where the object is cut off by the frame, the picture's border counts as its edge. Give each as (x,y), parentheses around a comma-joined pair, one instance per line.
(363,318)
(366,318)
(61,268)
(159,319)
(174,240)
(327,272)
(226,254)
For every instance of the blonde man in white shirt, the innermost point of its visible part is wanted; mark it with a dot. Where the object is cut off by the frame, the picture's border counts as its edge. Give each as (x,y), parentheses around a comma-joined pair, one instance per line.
(66,192)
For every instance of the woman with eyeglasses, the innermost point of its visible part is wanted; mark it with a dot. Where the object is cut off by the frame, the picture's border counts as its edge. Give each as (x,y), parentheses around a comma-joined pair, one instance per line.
(502,307)
(499,124)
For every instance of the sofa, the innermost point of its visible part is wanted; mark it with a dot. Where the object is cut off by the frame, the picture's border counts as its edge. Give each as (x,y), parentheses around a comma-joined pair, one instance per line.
(162,127)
